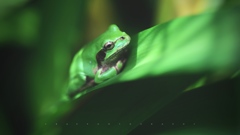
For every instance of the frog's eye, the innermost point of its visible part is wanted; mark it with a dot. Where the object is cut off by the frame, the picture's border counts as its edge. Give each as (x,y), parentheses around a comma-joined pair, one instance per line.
(109,46)
(122,38)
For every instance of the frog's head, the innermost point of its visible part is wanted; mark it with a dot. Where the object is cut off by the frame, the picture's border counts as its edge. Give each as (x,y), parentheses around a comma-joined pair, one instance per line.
(114,44)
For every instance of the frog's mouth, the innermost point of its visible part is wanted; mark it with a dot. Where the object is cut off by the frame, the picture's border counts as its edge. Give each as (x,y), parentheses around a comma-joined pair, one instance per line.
(120,54)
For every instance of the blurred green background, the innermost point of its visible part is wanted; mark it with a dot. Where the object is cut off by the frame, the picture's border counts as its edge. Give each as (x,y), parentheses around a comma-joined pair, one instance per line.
(38,39)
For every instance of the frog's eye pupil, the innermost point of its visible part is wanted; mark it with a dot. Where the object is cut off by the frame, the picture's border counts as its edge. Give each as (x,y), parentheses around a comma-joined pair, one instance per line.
(109,46)
(122,38)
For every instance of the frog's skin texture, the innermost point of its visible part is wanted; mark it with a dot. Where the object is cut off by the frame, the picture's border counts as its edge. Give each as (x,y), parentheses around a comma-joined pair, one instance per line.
(99,60)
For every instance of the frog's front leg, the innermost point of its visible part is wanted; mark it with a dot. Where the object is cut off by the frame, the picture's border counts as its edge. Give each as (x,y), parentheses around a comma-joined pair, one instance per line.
(76,82)
(111,72)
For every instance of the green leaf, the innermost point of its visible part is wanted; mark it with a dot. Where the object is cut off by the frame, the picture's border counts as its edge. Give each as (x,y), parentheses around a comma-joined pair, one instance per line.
(203,44)
(165,60)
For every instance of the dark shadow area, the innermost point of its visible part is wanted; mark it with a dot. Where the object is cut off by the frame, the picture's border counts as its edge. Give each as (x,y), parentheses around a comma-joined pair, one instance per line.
(211,107)
(14,98)
(124,103)
(137,16)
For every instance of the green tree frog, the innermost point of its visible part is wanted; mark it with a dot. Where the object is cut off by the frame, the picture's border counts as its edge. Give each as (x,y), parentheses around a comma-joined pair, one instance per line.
(99,60)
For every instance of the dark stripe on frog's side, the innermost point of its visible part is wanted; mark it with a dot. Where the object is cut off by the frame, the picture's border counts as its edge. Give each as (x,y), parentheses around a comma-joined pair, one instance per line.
(100,57)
